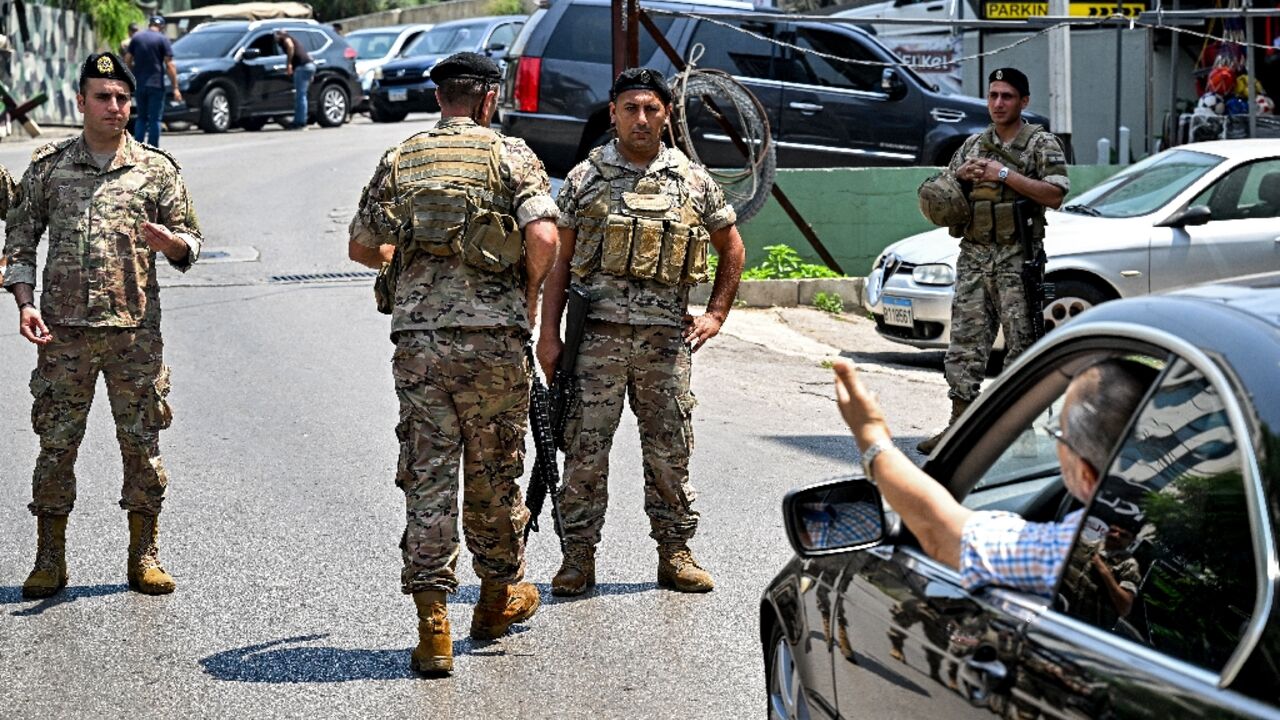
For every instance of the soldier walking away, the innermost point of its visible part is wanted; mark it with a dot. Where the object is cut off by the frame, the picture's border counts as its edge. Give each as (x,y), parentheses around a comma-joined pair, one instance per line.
(110,204)
(636,218)
(447,206)
(1011,161)
(150,55)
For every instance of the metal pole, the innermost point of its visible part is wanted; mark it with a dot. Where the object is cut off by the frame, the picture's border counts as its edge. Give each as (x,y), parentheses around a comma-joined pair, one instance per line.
(1174,120)
(1119,66)
(1249,68)
(1060,75)
(619,37)
(632,27)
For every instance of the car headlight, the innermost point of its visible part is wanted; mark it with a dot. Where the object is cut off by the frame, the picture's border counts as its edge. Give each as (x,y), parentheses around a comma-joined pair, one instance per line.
(427,73)
(934,274)
(377,73)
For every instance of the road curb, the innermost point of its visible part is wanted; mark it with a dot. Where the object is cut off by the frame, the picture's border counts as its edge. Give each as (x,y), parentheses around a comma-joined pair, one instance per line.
(788,293)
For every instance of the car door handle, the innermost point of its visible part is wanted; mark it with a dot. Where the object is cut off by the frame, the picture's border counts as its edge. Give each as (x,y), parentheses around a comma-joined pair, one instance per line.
(278,67)
(806,108)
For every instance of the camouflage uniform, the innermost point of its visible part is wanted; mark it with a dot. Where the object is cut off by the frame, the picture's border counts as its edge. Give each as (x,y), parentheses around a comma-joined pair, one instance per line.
(101,301)
(459,366)
(633,346)
(8,193)
(988,287)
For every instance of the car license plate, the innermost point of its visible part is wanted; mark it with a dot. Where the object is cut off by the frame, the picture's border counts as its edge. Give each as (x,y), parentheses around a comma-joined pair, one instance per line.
(897,311)
(397,95)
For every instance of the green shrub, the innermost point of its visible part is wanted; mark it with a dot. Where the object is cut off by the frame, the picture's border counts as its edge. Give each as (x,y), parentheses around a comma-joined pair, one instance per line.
(784,263)
(828,302)
(111,19)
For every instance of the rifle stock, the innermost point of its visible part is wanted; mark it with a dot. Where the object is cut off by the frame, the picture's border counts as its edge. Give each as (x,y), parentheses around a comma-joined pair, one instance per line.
(564,383)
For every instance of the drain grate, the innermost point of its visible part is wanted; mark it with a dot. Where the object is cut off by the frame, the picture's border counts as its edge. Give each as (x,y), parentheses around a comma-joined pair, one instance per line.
(323,276)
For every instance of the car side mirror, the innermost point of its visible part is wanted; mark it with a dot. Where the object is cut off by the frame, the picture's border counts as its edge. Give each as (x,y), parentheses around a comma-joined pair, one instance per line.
(834,517)
(251,54)
(1194,215)
(891,82)
(495,48)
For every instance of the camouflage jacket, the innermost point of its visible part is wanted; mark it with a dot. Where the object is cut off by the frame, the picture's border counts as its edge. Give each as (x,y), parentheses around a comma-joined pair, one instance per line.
(441,291)
(99,271)
(626,300)
(8,193)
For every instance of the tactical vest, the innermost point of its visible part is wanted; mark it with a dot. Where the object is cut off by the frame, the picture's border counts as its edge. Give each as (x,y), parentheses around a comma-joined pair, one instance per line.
(991,203)
(636,230)
(452,200)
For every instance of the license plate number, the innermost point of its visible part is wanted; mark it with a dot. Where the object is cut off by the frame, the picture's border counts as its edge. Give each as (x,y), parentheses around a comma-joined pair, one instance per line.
(399,95)
(897,311)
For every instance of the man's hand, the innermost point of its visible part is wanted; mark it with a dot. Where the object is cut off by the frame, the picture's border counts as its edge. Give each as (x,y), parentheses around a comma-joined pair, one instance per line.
(177,95)
(549,349)
(858,406)
(31,326)
(698,330)
(162,240)
(979,170)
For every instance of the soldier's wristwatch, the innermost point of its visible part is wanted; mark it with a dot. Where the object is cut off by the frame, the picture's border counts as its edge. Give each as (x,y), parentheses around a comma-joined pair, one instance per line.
(1004,173)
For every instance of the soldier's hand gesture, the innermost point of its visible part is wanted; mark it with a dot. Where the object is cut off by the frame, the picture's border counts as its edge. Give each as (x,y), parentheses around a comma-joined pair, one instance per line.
(31,326)
(698,330)
(162,240)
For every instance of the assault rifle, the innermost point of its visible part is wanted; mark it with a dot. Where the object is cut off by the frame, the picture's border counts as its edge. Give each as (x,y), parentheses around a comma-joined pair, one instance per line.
(1033,261)
(564,384)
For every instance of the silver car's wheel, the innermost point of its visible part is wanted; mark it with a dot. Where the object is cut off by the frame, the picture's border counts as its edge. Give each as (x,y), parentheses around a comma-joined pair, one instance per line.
(786,689)
(333,106)
(1071,297)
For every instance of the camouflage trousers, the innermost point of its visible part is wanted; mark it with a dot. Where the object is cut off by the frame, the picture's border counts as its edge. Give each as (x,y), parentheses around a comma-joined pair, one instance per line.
(650,364)
(62,387)
(464,394)
(988,297)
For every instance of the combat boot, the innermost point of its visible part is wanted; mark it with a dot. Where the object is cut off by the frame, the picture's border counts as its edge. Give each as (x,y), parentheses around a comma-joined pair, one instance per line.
(577,571)
(434,654)
(957,409)
(50,572)
(145,573)
(502,606)
(677,570)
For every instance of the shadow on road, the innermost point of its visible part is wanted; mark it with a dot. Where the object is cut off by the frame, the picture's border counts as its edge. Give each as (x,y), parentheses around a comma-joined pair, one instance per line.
(13,595)
(907,358)
(285,661)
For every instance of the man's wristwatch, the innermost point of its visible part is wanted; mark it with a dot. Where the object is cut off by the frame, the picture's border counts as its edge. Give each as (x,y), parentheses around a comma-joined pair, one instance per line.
(1004,173)
(871,453)
(24,305)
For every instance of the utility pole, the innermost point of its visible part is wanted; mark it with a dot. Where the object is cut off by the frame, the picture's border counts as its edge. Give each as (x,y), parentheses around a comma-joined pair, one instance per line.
(1060,75)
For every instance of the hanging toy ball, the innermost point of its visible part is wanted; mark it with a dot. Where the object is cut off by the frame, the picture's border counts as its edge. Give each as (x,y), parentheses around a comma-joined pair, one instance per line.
(1211,103)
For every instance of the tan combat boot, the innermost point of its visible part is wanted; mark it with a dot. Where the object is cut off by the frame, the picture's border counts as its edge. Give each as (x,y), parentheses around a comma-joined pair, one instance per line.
(502,606)
(677,570)
(577,571)
(434,654)
(50,572)
(957,409)
(145,573)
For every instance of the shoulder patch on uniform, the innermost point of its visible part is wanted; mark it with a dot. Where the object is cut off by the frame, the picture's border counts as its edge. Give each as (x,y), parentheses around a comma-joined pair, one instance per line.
(165,153)
(51,149)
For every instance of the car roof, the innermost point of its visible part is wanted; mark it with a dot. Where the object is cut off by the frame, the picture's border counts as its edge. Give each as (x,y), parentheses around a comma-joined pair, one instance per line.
(1243,149)
(730,5)
(1256,295)
(253,24)
(477,20)
(390,28)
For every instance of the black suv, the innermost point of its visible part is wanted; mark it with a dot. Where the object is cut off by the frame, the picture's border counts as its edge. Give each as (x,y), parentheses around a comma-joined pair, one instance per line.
(822,113)
(232,74)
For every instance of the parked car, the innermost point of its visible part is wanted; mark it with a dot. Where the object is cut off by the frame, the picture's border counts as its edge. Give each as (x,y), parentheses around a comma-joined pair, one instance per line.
(1190,214)
(232,74)
(404,85)
(378,46)
(822,113)
(862,623)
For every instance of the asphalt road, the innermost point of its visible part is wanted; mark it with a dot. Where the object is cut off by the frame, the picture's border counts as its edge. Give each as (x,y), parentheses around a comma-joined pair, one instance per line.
(282,519)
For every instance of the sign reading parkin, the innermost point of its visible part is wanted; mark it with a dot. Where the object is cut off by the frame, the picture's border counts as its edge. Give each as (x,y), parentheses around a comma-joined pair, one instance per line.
(1006,10)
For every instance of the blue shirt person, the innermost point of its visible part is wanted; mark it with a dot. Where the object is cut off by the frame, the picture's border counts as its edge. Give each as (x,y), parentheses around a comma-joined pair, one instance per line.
(150,55)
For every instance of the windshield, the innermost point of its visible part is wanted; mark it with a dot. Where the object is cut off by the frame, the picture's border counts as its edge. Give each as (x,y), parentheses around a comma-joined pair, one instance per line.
(372,45)
(208,44)
(447,40)
(1145,187)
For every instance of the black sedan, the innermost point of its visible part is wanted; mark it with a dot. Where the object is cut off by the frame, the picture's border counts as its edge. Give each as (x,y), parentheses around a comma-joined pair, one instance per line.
(1166,605)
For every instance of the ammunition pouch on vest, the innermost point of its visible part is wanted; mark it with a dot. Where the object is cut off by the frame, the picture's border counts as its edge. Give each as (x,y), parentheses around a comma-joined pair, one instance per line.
(991,203)
(452,201)
(647,236)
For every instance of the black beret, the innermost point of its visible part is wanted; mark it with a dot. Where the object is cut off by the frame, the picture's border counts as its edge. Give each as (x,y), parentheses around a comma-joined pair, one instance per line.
(1014,77)
(466,66)
(107,66)
(641,79)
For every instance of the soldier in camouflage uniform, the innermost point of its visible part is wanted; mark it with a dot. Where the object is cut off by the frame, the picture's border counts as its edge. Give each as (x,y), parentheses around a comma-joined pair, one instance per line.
(635,221)
(447,205)
(110,205)
(1011,159)
(8,193)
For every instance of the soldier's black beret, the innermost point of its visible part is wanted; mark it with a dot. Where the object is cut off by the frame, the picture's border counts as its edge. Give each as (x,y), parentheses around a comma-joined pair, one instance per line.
(641,79)
(466,66)
(107,66)
(1014,77)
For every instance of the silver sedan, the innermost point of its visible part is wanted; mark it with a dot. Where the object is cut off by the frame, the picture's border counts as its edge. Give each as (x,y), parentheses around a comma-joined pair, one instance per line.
(1190,214)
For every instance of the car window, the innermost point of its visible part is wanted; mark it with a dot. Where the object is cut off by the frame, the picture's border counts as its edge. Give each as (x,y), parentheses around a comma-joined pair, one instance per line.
(1165,557)
(583,34)
(447,40)
(738,53)
(1249,191)
(1147,186)
(822,71)
(371,45)
(207,44)
(311,40)
(504,35)
(267,45)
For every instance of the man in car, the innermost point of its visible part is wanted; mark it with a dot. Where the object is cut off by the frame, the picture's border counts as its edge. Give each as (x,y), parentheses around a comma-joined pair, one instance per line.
(450,203)
(150,55)
(1009,161)
(988,547)
(635,220)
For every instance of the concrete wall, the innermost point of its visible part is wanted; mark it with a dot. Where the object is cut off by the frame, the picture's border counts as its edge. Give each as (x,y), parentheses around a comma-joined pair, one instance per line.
(856,212)
(48,46)
(436,13)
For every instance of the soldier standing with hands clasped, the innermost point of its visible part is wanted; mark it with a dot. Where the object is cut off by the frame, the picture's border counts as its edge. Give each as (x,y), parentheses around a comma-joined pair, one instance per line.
(636,217)
(445,210)
(110,204)
(1011,161)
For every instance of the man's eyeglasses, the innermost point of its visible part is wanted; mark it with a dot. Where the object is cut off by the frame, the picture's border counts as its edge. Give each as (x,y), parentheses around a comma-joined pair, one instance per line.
(1054,428)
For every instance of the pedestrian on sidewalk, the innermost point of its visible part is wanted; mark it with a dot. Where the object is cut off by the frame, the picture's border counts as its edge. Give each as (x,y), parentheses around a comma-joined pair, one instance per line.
(150,55)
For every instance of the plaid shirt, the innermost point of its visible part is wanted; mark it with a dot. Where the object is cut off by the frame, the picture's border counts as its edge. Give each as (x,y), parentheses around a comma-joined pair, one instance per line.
(1000,548)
